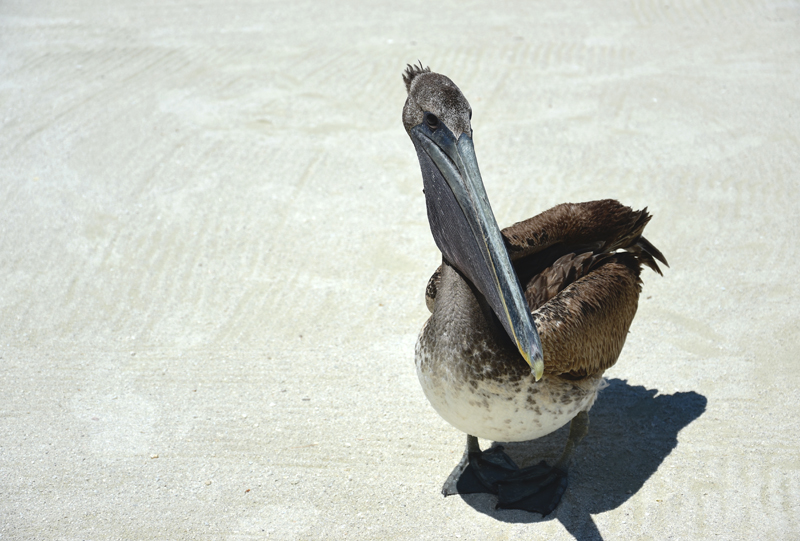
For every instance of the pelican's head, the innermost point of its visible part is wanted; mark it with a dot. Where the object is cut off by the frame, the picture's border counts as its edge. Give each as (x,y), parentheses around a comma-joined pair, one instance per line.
(437,118)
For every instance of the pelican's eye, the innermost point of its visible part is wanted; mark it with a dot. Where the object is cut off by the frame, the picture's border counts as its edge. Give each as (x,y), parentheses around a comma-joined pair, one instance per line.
(431,120)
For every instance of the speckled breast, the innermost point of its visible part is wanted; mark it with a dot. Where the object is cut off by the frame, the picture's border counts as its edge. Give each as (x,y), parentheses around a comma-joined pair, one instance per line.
(475,397)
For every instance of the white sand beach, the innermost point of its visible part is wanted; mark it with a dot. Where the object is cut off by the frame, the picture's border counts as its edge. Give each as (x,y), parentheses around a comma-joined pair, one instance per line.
(214,250)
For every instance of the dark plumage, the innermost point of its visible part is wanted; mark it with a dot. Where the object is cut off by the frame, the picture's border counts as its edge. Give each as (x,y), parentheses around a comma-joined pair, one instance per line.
(573,248)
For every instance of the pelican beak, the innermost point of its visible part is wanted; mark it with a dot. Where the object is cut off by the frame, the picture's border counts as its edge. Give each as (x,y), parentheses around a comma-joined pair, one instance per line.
(466,232)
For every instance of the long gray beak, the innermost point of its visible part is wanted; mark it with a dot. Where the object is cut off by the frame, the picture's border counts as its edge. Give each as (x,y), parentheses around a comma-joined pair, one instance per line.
(466,232)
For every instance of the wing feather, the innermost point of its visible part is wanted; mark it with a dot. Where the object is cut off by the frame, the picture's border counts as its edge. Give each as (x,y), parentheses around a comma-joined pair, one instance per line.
(583,292)
(583,327)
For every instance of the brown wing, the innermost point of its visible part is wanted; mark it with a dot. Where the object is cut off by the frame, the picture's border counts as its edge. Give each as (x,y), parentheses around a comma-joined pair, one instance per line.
(583,327)
(433,286)
(603,226)
(562,239)
(582,293)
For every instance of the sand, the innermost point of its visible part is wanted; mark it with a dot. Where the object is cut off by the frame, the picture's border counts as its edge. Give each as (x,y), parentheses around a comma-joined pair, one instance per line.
(214,249)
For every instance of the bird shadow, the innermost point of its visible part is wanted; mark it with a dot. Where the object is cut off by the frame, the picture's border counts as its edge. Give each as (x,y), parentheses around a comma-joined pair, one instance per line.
(632,430)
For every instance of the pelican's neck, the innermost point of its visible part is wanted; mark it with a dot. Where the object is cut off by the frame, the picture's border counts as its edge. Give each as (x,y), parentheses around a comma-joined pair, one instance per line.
(464,317)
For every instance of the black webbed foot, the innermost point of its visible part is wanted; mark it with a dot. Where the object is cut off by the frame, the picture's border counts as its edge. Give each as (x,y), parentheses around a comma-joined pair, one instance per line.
(537,489)
(485,470)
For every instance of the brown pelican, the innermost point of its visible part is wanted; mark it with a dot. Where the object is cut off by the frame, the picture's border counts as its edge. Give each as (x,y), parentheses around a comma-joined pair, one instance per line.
(524,320)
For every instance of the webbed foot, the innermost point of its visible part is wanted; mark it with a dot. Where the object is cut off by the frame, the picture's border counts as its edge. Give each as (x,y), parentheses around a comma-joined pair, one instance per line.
(537,488)
(479,471)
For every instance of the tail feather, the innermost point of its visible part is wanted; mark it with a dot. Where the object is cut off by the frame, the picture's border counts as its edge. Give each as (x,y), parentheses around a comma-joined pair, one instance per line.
(647,254)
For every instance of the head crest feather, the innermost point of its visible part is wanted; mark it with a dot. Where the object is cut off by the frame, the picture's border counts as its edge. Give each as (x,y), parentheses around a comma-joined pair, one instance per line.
(411,72)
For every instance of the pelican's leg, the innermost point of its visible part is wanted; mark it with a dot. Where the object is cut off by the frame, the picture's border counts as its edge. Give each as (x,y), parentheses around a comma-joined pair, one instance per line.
(479,471)
(539,488)
(578,429)
(536,488)
(450,486)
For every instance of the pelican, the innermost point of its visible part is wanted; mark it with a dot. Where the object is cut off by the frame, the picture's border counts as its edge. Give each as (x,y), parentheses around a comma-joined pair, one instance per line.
(524,321)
